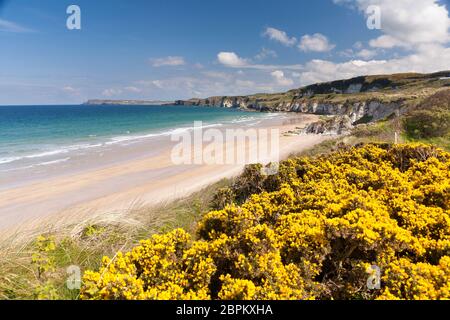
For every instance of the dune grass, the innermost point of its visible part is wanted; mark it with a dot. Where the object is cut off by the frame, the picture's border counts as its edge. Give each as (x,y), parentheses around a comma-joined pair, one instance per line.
(36,268)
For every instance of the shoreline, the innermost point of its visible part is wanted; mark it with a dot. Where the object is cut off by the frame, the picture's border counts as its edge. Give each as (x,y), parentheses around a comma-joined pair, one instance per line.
(96,151)
(117,188)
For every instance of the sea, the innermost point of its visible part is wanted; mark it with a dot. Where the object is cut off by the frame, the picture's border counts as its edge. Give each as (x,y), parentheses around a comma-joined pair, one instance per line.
(34,139)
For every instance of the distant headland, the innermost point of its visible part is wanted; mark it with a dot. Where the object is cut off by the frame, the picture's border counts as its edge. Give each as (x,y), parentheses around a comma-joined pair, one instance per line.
(96,102)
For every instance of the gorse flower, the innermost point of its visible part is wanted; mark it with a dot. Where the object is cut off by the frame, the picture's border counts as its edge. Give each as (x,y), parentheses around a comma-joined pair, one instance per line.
(311,233)
(41,258)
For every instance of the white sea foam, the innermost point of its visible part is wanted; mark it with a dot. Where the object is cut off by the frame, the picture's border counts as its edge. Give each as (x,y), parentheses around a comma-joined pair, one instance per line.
(127,139)
(45,154)
(47,163)
(115,140)
(121,140)
(53,162)
(8,159)
(243,120)
(49,153)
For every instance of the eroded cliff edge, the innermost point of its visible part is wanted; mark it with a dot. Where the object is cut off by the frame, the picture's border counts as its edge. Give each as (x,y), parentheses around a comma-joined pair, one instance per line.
(354,101)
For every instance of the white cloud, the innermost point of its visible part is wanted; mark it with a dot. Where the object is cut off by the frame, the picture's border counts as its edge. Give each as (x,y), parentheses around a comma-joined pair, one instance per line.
(266,53)
(408,23)
(358,45)
(111,92)
(316,43)
(422,26)
(426,59)
(245,83)
(231,59)
(423,56)
(280,36)
(210,83)
(366,54)
(217,75)
(361,53)
(170,61)
(280,78)
(215,83)
(133,89)
(347,53)
(159,83)
(187,87)
(70,89)
(9,26)
(387,42)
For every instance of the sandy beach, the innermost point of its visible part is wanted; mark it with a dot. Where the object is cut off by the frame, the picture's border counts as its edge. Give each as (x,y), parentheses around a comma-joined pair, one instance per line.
(118,187)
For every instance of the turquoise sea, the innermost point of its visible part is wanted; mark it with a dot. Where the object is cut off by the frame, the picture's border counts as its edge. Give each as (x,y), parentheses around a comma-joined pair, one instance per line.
(43,135)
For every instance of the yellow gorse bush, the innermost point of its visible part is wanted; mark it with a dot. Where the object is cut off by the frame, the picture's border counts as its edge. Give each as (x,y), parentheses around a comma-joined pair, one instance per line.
(312,235)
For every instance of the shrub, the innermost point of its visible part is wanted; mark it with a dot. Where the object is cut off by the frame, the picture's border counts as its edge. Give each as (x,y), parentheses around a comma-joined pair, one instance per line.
(222,198)
(315,237)
(249,182)
(431,118)
(41,257)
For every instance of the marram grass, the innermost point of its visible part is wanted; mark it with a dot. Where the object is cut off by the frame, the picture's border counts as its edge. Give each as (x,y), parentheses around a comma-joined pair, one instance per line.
(313,234)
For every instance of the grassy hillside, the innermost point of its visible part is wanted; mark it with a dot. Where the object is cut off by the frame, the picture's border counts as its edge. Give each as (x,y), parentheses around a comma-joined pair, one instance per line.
(430,120)
(410,88)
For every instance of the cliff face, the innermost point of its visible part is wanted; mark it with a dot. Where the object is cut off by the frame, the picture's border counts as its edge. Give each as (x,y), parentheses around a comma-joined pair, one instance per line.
(333,126)
(242,102)
(347,113)
(370,108)
(361,99)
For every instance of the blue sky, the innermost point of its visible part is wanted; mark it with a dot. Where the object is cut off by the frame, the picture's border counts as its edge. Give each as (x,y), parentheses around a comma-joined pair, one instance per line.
(133,49)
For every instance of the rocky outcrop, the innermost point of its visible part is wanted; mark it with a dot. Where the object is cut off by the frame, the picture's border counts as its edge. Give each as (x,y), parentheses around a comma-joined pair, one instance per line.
(335,126)
(371,110)
(241,102)
(365,111)
(356,101)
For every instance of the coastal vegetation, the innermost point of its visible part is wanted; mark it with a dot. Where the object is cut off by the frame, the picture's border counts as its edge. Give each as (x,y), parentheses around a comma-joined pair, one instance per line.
(35,266)
(406,238)
(313,231)
(430,119)
(404,89)
(310,232)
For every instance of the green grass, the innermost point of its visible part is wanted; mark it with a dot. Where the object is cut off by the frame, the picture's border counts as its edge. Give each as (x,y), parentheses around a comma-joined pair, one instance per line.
(441,142)
(85,244)
(378,132)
